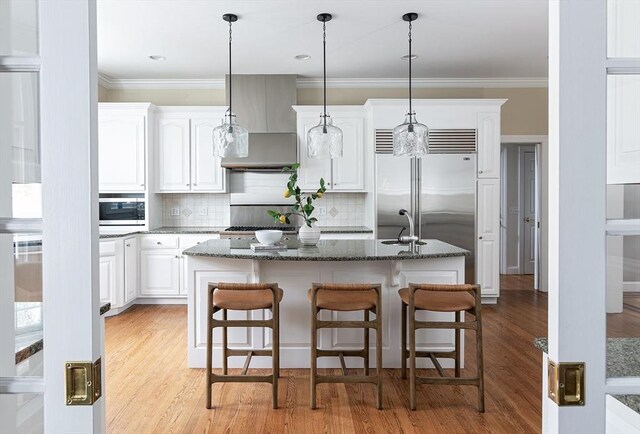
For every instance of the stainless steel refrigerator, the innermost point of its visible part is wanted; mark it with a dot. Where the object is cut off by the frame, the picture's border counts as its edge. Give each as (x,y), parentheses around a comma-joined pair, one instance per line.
(442,200)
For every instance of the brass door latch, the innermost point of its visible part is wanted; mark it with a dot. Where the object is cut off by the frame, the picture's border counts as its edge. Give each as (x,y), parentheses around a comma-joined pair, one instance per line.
(83,382)
(566,383)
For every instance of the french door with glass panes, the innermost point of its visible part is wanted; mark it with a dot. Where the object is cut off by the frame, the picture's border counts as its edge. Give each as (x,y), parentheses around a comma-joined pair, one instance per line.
(593,214)
(49,296)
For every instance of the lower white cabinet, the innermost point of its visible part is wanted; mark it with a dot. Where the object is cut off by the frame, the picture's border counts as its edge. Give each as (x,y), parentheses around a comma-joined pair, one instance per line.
(160,272)
(488,242)
(111,270)
(131,275)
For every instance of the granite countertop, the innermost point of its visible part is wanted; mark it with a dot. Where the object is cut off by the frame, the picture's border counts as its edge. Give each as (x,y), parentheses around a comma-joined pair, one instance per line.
(35,343)
(328,250)
(623,360)
(204,230)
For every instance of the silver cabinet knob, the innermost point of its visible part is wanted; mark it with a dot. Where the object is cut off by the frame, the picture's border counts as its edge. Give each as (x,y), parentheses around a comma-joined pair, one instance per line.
(128,245)
(480,237)
(480,171)
(177,257)
(195,183)
(528,220)
(158,243)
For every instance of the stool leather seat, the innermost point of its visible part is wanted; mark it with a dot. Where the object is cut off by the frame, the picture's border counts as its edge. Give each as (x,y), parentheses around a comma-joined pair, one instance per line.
(245,300)
(439,301)
(345,301)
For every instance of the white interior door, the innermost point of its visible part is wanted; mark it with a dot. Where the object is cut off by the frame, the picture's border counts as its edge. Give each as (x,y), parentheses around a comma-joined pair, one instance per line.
(49,287)
(528,207)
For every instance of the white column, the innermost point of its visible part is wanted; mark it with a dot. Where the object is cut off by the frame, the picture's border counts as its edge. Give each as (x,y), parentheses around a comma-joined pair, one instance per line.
(576,213)
(70,205)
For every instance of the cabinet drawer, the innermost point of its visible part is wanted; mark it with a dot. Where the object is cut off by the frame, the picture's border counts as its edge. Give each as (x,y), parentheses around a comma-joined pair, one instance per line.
(108,248)
(159,242)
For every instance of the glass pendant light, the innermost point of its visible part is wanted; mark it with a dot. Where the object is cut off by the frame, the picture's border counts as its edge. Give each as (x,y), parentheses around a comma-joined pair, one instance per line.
(325,139)
(230,140)
(411,137)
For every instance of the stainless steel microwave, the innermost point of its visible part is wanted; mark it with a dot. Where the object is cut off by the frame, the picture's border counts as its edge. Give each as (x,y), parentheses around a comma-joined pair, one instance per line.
(121,211)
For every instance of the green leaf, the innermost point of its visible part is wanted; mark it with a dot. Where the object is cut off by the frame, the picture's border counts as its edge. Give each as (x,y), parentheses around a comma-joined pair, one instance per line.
(313,220)
(295,166)
(273,214)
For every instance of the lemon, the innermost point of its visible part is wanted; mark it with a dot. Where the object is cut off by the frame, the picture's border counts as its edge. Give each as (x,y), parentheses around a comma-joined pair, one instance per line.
(282,218)
(319,194)
(287,193)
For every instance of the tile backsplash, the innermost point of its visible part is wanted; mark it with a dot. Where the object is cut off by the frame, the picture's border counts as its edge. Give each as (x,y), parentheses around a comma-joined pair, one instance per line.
(195,209)
(340,209)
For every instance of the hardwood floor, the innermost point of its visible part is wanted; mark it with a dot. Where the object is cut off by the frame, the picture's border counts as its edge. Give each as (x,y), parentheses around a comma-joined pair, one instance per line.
(516,281)
(150,389)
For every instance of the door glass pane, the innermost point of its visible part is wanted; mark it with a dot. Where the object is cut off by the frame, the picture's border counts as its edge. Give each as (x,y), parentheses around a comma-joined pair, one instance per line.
(623,31)
(18,27)
(623,305)
(22,413)
(623,128)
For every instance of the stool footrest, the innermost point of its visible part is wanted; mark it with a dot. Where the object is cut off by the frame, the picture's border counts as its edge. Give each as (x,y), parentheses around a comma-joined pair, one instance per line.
(346,324)
(337,353)
(241,323)
(346,379)
(448,380)
(241,378)
(445,325)
(236,352)
(437,365)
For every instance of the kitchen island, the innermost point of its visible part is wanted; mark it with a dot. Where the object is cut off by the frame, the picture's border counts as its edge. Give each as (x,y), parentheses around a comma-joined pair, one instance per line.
(346,261)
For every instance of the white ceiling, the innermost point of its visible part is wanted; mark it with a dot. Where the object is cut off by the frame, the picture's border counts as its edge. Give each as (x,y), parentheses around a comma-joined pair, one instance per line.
(454,38)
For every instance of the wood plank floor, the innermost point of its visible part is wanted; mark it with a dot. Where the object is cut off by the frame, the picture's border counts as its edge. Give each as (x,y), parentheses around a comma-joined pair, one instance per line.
(149,388)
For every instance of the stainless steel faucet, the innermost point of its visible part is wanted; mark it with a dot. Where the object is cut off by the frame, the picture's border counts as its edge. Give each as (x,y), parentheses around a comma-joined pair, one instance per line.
(412,235)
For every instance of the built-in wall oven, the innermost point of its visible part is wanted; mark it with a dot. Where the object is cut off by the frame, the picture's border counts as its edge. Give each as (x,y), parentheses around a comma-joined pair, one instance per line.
(121,211)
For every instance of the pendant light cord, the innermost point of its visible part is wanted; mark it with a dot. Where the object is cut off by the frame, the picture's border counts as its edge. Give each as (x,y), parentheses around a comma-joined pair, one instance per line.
(324,72)
(230,76)
(410,55)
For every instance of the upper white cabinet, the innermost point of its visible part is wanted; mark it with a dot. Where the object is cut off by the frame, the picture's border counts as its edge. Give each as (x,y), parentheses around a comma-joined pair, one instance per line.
(122,137)
(185,150)
(340,174)
(489,145)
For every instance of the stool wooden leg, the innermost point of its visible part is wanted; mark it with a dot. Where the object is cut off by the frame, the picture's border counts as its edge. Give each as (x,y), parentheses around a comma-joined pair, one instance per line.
(480,362)
(224,344)
(379,356)
(209,351)
(366,345)
(314,349)
(412,357)
(403,340)
(275,354)
(457,347)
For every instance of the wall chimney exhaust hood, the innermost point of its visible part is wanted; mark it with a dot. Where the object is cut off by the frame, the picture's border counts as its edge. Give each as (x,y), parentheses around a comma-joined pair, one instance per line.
(262,104)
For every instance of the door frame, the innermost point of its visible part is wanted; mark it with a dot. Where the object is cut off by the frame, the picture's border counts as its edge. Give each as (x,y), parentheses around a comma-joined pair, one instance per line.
(521,213)
(541,143)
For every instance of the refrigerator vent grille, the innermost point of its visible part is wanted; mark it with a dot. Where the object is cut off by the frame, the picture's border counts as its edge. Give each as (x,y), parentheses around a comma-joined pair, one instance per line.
(442,141)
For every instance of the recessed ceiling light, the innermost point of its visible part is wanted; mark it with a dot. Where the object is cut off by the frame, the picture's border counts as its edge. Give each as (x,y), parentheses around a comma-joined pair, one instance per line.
(157,57)
(302,57)
(406,57)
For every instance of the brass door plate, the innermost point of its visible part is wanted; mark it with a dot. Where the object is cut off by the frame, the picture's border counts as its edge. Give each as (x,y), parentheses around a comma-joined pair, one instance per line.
(566,383)
(83,382)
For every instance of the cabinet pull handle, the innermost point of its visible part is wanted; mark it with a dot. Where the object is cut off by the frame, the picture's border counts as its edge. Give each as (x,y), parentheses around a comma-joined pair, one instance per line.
(158,243)
(177,257)
(480,171)
(128,245)
(187,185)
(195,183)
(480,237)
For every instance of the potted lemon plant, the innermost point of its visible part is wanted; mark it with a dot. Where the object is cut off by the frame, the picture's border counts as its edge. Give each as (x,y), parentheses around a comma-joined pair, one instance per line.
(309,233)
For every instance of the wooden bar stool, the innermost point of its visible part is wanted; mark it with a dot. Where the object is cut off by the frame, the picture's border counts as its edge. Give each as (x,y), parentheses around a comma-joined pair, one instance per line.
(243,296)
(346,297)
(441,298)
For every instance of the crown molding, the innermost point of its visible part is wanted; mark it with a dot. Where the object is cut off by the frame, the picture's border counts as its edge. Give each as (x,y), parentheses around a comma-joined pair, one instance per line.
(336,83)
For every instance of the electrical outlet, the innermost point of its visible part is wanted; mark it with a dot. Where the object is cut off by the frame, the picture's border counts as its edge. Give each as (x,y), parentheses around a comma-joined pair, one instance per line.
(322,210)
(175,211)
(203,211)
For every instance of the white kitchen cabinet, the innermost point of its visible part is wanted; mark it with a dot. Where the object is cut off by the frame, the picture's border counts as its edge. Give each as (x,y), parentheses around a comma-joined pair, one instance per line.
(173,154)
(185,150)
(110,266)
(488,242)
(122,135)
(346,236)
(489,145)
(131,275)
(207,174)
(340,174)
(160,272)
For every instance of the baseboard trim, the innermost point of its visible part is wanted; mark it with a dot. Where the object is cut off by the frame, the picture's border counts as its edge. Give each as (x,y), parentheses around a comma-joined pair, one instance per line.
(513,270)
(630,286)
(143,300)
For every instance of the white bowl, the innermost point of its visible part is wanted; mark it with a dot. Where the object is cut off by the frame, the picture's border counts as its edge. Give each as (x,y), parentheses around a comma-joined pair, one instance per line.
(268,237)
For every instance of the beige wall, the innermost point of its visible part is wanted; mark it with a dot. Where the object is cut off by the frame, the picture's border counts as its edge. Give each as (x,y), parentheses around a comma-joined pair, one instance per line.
(525,112)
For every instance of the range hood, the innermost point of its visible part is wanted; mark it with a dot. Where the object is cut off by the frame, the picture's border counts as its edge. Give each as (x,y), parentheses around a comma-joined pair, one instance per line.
(262,104)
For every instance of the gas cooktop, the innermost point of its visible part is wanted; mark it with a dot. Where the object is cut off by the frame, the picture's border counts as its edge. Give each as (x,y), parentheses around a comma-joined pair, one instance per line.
(260,228)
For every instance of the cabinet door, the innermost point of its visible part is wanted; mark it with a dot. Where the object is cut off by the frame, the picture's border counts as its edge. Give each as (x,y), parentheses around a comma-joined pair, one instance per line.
(173,155)
(159,273)
(488,145)
(108,278)
(311,169)
(488,243)
(348,171)
(206,171)
(121,150)
(131,281)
